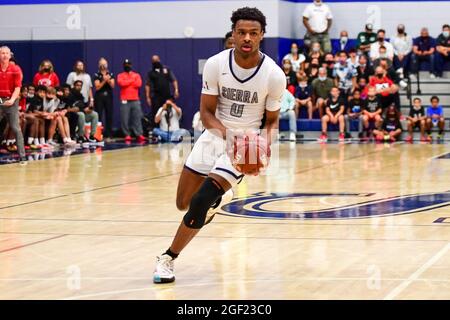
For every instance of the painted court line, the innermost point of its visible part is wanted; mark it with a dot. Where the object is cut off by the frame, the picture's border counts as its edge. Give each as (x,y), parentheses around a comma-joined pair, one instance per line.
(413,277)
(32,243)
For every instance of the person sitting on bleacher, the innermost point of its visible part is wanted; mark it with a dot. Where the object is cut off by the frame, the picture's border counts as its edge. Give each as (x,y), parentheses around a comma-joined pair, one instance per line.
(371,112)
(417,119)
(391,127)
(442,49)
(334,114)
(384,87)
(288,111)
(303,95)
(424,47)
(321,88)
(354,112)
(435,118)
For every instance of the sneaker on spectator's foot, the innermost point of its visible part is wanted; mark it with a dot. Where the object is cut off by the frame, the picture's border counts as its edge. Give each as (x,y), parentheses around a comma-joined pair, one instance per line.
(323,138)
(292,136)
(348,135)
(341,137)
(141,138)
(27,147)
(424,139)
(409,139)
(53,143)
(23,161)
(127,138)
(227,197)
(92,139)
(164,269)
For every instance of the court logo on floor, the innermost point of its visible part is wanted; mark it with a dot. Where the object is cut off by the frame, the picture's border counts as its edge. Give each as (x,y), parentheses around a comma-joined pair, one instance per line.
(311,206)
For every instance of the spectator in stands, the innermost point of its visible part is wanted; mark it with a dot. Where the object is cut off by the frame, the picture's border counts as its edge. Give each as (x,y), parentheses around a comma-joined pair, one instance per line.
(291,78)
(31,90)
(382,56)
(365,39)
(362,84)
(72,101)
(334,114)
(353,58)
(364,69)
(288,111)
(442,49)
(402,44)
(328,63)
(344,76)
(391,128)
(343,44)
(423,50)
(104,83)
(296,58)
(384,86)
(312,72)
(130,109)
(36,107)
(28,120)
(372,111)
(46,75)
(321,88)
(79,73)
(381,42)
(168,117)
(228,42)
(314,53)
(417,119)
(317,19)
(10,83)
(355,112)
(303,96)
(157,87)
(435,117)
(86,114)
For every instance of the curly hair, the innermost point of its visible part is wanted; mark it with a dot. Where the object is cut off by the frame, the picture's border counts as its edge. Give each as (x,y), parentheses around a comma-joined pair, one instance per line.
(246,13)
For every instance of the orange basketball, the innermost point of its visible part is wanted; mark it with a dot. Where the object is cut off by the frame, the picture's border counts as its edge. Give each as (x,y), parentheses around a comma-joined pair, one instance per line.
(250,154)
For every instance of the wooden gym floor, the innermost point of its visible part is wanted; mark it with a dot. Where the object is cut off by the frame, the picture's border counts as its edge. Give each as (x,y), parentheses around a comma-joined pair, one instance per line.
(336,221)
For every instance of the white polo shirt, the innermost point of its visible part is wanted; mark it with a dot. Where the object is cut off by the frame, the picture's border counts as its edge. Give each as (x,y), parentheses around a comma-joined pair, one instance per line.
(318,16)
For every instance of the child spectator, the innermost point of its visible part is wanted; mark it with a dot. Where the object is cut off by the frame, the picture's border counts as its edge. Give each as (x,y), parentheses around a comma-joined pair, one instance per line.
(372,111)
(334,114)
(417,119)
(391,128)
(344,75)
(362,84)
(36,107)
(435,117)
(355,112)
(303,96)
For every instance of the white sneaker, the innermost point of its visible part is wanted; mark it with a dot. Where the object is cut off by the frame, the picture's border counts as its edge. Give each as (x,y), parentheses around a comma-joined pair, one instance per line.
(412,76)
(432,76)
(227,197)
(292,136)
(164,269)
(53,143)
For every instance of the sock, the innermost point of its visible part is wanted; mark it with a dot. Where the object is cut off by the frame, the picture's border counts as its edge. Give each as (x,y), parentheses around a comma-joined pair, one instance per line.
(49,141)
(66,139)
(30,140)
(41,140)
(9,141)
(36,141)
(171,254)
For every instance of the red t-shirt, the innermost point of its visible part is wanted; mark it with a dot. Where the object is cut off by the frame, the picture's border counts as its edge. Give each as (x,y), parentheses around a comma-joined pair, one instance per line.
(382,83)
(23,104)
(46,79)
(10,79)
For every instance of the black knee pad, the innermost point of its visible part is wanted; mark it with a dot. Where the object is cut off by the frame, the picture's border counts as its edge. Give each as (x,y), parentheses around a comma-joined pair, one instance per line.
(205,197)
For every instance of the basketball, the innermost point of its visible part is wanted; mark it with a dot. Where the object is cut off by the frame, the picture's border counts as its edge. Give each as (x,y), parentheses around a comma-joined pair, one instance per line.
(250,154)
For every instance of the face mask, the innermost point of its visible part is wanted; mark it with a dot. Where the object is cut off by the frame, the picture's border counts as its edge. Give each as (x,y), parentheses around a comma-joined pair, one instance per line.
(294,50)
(446,34)
(380,39)
(380,75)
(157,65)
(103,67)
(363,65)
(400,31)
(47,70)
(30,95)
(314,65)
(383,55)
(344,40)
(322,78)
(315,49)
(286,66)
(127,68)
(416,107)
(342,61)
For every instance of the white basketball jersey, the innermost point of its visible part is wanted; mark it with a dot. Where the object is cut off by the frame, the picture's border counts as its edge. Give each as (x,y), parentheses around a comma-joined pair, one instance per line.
(243,94)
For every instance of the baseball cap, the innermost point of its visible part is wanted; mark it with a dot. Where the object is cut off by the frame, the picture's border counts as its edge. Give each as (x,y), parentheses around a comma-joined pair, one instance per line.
(369,26)
(127,61)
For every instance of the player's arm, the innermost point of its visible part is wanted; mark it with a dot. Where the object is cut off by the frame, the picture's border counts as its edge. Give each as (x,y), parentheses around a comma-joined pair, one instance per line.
(210,98)
(208,106)
(277,86)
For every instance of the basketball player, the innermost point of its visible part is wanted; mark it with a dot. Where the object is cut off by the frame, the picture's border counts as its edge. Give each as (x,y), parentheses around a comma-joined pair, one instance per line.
(240,86)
